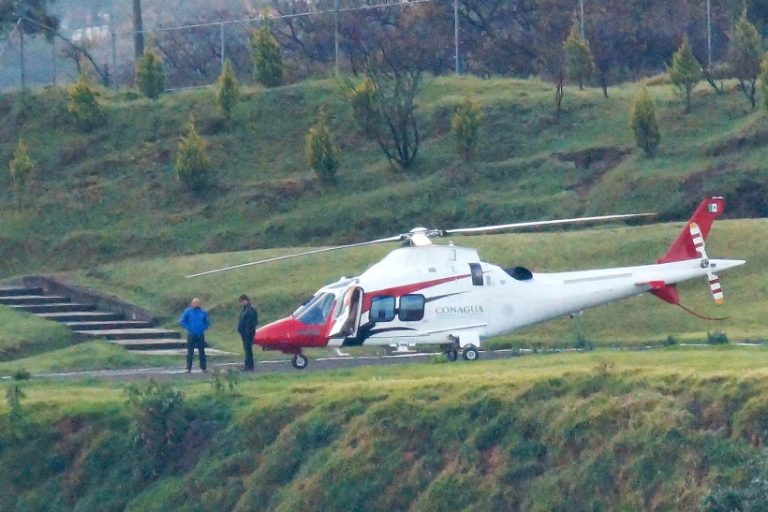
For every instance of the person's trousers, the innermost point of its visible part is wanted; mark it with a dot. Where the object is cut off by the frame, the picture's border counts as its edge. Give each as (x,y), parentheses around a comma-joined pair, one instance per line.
(248,350)
(195,341)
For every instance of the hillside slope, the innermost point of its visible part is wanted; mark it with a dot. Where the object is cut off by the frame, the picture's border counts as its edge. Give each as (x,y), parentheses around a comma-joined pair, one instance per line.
(609,431)
(112,193)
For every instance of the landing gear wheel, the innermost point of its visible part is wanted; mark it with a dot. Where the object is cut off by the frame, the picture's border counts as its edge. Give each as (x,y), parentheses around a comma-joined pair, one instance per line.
(299,361)
(470,353)
(451,354)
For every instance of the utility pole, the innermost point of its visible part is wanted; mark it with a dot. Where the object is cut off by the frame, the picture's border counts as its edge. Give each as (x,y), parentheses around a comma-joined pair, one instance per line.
(336,38)
(221,42)
(456,35)
(113,36)
(21,56)
(709,36)
(138,30)
(581,19)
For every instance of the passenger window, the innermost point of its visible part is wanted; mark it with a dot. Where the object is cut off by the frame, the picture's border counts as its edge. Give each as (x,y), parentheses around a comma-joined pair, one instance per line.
(477,274)
(411,308)
(382,309)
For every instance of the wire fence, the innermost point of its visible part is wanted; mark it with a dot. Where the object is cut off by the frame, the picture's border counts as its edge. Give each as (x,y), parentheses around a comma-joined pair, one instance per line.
(193,54)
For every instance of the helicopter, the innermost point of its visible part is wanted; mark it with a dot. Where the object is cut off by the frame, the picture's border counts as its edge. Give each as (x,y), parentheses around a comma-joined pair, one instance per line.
(425,293)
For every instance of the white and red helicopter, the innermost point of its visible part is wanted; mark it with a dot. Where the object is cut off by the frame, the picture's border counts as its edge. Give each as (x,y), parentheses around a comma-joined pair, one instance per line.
(445,295)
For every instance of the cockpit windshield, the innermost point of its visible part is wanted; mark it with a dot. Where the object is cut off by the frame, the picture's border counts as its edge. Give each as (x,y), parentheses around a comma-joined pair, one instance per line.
(316,310)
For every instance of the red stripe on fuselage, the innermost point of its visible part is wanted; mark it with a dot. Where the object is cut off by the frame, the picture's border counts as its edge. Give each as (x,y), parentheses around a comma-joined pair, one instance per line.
(399,291)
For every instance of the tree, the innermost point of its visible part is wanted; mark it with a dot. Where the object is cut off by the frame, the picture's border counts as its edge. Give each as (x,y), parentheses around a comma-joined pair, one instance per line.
(267,59)
(150,77)
(33,17)
(578,57)
(322,153)
(227,90)
(745,54)
(465,124)
(192,163)
(644,124)
(685,72)
(22,168)
(84,105)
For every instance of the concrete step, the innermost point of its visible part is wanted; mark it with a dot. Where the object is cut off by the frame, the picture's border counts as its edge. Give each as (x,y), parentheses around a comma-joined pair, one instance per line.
(127,334)
(152,344)
(54,308)
(182,352)
(103,325)
(82,316)
(18,300)
(9,291)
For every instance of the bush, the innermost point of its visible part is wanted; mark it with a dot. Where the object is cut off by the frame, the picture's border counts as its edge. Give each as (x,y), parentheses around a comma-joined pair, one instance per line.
(671,341)
(717,338)
(83,104)
(578,57)
(22,374)
(159,422)
(322,153)
(267,59)
(150,78)
(192,163)
(764,80)
(227,90)
(22,168)
(644,124)
(465,124)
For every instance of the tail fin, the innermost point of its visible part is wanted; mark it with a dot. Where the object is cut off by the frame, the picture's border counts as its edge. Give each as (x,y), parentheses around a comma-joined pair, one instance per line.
(683,247)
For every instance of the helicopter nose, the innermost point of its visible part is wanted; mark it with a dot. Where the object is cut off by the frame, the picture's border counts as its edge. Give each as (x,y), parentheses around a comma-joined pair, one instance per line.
(274,333)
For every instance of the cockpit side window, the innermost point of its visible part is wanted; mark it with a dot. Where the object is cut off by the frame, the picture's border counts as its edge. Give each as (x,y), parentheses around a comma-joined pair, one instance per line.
(477,274)
(382,309)
(317,310)
(411,308)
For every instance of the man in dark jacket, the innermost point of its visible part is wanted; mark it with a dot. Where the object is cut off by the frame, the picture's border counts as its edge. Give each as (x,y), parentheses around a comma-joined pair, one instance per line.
(195,320)
(246,326)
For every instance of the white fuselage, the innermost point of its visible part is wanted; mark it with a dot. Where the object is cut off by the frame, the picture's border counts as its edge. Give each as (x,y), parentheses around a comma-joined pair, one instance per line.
(465,300)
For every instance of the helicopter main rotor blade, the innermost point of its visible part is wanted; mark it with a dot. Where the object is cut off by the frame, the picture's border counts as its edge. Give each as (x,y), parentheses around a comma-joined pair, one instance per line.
(517,225)
(396,238)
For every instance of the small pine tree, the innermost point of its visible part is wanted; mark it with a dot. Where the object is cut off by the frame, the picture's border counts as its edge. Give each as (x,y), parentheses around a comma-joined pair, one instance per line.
(84,105)
(644,124)
(192,163)
(465,124)
(22,168)
(266,55)
(322,154)
(150,77)
(579,64)
(745,54)
(227,90)
(764,80)
(686,71)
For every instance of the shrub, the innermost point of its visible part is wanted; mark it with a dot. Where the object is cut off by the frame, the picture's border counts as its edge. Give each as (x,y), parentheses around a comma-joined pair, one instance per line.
(83,104)
(717,338)
(267,59)
(764,80)
(159,421)
(745,53)
(16,417)
(22,168)
(670,341)
(465,124)
(322,153)
(227,90)
(150,77)
(644,124)
(192,163)
(22,374)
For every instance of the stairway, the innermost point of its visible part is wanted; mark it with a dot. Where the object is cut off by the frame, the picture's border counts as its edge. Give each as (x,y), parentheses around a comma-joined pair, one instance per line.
(85,320)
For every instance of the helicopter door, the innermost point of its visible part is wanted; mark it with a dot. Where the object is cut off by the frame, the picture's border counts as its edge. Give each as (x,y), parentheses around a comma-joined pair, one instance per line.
(347,316)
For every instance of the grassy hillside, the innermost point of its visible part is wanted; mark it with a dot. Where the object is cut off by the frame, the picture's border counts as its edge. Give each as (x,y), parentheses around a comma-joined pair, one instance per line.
(601,431)
(112,194)
(160,285)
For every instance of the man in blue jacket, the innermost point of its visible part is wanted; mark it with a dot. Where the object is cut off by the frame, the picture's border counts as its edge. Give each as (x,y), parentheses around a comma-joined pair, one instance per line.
(195,320)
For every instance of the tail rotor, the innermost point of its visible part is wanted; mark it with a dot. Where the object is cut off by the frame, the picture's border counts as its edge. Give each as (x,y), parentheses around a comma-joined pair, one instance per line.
(699,245)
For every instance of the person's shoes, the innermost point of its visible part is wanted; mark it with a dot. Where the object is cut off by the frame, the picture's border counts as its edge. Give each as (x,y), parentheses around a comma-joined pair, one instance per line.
(189,370)
(205,370)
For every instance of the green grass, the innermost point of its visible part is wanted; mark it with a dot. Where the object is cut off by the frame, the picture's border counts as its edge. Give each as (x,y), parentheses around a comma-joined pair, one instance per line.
(622,431)
(22,335)
(112,194)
